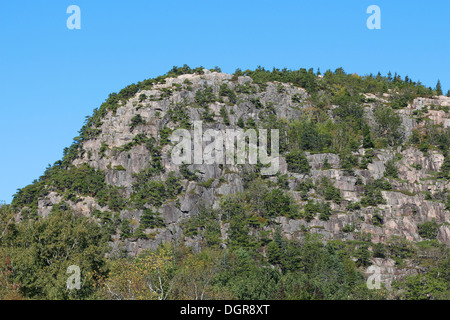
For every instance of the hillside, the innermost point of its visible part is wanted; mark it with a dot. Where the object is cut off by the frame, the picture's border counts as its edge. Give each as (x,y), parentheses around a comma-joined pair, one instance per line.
(363,174)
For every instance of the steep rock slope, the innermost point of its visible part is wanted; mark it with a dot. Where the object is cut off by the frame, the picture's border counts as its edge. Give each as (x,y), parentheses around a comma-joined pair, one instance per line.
(375,193)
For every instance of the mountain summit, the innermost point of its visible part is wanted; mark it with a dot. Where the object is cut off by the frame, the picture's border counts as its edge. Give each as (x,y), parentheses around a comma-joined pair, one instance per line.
(363,162)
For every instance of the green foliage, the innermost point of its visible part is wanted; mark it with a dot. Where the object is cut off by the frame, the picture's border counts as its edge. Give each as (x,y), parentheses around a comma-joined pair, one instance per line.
(389,126)
(444,171)
(142,97)
(439,88)
(400,248)
(125,229)
(302,78)
(432,285)
(224,115)
(179,114)
(251,124)
(349,109)
(107,220)
(354,206)
(208,115)
(326,164)
(83,180)
(205,96)
(377,220)
(379,251)
(186,173)
(102,150)
(310,210)
(428,229)
(238,232)
(297,162)
(207,183)
(325,211)
(225,91)
(283,181)
(348,162)
(430,135)
(152,192)
(310,135)
(42,250)
(367,137)
(240,123)
(372,192)
(113,197)
(259,199)
(327,189)
(149,219)
(173,185)
(363,256)
(348,228)
(278,203)
(136,121)
(401,100)
(139,139)
(390,169)
(304,186)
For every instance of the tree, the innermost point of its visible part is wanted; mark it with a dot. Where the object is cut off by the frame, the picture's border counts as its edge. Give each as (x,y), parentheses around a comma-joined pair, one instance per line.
(41,251)
(379,251)
(325,211)
(432,285)
(9,289)
(240,123)
(329,191)
(439,88)
(367,137)
(390,169)
(194,279)
(372,193)
(363,256)
(6,221)
(149,277)
(389,125)
(297,162)
(444,170)
(224,115)
(279,203)
(238,232)
(135,121)
(310,210)
(273,253)
(428,229)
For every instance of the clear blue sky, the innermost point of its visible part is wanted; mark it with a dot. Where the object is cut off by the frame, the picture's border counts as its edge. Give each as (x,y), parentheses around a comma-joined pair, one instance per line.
(52,77)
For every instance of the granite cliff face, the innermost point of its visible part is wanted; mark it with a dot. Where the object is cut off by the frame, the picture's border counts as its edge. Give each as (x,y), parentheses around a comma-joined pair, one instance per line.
(406,205)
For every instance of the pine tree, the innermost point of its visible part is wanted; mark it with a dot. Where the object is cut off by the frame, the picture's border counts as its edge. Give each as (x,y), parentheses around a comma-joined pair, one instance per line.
(389,76)
(363,256)
(445,168)
(439,88)
(367,138)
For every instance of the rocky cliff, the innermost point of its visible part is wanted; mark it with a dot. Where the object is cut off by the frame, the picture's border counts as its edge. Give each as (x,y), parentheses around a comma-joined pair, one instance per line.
(130,138)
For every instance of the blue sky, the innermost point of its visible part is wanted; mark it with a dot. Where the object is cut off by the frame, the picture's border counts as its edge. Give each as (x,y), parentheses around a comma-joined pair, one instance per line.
(52,77)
